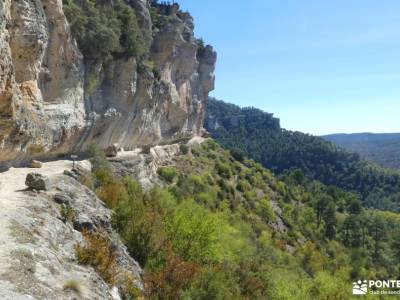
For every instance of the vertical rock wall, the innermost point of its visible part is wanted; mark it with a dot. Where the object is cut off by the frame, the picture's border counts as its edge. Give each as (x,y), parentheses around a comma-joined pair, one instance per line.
(44,108)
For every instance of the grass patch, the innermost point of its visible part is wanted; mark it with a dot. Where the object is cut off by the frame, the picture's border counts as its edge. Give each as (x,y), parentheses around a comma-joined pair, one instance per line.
(72,285)
(184,149)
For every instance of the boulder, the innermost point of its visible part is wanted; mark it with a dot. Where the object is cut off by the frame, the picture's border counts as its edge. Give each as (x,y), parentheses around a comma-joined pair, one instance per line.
(76,172)
(35,164)
(111,151)
(62,199)
(71,174)
(37,181)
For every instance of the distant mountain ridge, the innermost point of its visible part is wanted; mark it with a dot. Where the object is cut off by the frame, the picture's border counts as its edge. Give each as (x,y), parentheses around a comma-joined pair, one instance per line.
(381,148)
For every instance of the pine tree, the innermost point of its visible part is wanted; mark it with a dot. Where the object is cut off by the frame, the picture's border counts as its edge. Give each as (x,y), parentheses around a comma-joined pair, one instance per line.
(330,221)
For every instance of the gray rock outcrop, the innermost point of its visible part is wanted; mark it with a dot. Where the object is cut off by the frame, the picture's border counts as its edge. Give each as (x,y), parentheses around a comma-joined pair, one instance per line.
(37,182)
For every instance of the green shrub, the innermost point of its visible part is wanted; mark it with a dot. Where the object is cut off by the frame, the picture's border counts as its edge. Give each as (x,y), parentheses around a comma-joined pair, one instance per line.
(184,149)
(257,180)
(112,192)
(217,283)
(212,156)
(133,188)
(200,48)
(97,158)
(193,232)
(139,221)
(237,154)
(243,186)
(192,185)
(67,213)
(251,196)
(130,288)
(208,199)
(223,170)
(168,174)
(210,144)
(92,83)
(195,152)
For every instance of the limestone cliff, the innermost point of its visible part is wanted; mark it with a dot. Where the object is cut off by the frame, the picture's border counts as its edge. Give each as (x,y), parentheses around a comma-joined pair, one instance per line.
(47,105)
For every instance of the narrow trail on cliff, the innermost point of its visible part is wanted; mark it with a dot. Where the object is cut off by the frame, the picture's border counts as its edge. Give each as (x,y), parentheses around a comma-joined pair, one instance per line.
(21,211)
(12,198)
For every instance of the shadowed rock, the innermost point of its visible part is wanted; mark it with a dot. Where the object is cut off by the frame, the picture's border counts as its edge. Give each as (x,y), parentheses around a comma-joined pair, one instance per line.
(83,222)
(62,199)
(37,181)
(111,151)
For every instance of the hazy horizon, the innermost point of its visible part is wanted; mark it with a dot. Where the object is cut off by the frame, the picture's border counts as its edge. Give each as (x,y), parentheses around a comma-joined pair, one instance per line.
(320,67)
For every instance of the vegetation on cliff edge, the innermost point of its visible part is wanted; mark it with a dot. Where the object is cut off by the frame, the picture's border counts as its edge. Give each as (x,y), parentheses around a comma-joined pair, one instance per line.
(105,29)
(223,228)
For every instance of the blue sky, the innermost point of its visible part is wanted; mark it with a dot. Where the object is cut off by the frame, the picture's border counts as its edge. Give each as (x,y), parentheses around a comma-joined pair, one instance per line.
(320,66)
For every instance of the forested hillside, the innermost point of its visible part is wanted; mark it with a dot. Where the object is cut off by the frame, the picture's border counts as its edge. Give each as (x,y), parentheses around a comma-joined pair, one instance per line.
(258,135)
(381,148)
(224,227)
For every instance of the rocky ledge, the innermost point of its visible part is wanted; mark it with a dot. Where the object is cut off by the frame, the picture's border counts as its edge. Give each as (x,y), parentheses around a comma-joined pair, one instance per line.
(40,232)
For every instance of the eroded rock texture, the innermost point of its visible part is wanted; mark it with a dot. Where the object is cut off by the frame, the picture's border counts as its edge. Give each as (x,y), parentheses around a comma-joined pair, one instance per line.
(40,231)
(45,108)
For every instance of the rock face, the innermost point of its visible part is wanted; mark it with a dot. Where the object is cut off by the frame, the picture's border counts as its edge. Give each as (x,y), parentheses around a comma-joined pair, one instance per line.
(37,182)
(143,165)
(46,109)
(41,77)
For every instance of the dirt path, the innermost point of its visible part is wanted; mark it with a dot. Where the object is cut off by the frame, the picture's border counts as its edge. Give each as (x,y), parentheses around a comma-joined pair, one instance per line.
(13,180)
(13,203)
(12,183)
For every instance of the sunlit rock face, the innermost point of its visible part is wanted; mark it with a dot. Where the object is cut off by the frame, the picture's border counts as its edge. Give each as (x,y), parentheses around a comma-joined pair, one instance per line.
(46,109)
